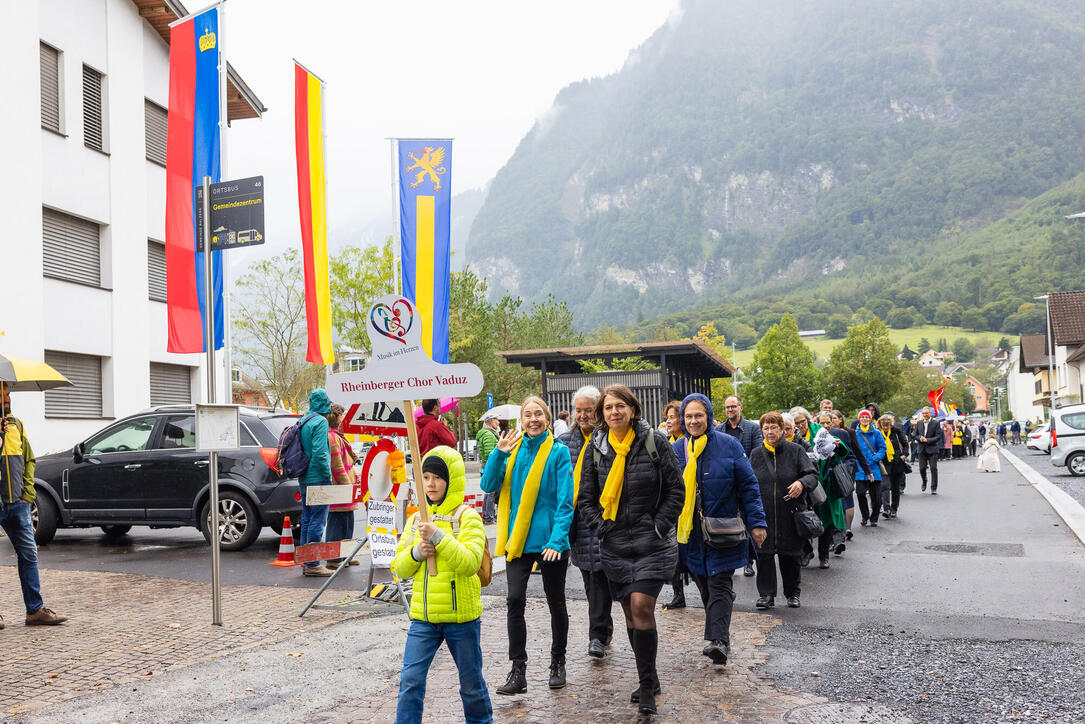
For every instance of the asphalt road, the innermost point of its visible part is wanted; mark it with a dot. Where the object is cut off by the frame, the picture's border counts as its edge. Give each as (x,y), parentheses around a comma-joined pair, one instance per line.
(1041,463)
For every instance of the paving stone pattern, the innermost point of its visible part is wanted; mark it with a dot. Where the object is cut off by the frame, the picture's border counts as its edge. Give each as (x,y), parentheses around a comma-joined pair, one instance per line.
(126,627)
(598,691)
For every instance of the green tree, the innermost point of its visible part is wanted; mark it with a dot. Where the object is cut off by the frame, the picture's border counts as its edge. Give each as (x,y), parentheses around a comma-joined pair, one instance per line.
(358,275)
(782,373)
(864,367)
(916,382)
(973,319)
(943,345)
(721,388)
(964,350)
(838,327)
(272,335)
(907,354)
(1004,344)
(924,346)
(948,314)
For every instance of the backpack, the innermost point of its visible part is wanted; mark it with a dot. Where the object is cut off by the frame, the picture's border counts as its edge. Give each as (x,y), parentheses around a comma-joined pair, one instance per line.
(486,566)
(292,460)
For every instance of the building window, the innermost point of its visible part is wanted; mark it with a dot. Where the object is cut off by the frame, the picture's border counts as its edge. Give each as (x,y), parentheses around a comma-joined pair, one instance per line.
(84,398)
(71,248)
(50,88)
(156,271)
(170,384)
(92,108)
(354,364)
(154,119)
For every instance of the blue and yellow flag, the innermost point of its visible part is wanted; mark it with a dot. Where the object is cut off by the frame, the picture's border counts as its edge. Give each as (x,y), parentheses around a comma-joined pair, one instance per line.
(425,202)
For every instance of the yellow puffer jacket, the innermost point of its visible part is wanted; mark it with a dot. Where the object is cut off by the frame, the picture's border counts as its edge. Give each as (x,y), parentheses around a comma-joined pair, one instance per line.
(454,595)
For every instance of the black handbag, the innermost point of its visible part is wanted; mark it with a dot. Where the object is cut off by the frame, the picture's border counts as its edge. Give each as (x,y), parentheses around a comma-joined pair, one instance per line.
(808,524)
(841,483)
(721,533)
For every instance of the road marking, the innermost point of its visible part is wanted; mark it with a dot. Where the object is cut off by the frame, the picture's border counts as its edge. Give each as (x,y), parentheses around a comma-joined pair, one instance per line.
(1071,511)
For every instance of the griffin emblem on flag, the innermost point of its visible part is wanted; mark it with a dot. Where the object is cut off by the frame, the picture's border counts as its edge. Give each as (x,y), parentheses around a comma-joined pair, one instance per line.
(430,163)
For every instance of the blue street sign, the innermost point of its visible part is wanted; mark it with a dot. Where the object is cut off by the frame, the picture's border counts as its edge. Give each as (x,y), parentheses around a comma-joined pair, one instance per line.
(489,401)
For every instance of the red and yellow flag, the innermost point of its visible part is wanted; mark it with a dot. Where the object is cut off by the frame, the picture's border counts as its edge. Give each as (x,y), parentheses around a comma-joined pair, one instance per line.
(309,145)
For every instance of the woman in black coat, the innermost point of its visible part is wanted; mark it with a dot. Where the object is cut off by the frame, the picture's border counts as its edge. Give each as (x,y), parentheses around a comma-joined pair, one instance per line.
(631,495)
(894,463)
(785,474)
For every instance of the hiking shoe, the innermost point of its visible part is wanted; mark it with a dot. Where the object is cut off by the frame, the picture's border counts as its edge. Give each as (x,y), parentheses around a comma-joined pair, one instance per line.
(44,617)
(679,601)
(557,674)
(318,571)
(516,683)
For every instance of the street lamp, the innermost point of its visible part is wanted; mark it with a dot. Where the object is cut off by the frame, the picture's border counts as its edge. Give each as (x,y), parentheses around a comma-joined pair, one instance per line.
(1050,341)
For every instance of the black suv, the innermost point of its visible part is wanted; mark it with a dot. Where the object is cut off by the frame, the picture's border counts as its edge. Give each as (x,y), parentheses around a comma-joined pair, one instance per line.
(144,470)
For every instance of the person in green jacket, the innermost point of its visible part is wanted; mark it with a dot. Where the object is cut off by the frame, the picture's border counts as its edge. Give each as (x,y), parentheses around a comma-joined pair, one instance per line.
(447,606)
(487,442)
(314,441)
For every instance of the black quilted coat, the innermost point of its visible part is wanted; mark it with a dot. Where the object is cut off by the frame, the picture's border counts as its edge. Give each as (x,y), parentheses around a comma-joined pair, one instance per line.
(585,554)
(775,472)
(640,543)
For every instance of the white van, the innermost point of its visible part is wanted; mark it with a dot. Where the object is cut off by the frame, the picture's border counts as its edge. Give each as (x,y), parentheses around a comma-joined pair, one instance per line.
(1068,441)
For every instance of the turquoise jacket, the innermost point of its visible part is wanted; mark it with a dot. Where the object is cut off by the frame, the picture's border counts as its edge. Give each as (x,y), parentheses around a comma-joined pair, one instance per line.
(553,512)
(314,439)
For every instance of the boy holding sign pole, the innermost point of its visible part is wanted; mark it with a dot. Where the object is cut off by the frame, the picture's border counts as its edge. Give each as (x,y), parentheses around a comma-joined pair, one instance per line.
(447,601)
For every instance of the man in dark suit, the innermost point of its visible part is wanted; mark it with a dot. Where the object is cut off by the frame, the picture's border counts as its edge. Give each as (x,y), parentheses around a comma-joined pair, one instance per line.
(927,438)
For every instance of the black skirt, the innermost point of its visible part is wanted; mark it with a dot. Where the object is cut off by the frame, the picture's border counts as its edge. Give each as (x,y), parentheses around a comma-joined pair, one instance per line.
(649,587)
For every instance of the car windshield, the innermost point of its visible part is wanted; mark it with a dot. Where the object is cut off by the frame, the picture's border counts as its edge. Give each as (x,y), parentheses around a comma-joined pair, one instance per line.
(126,436)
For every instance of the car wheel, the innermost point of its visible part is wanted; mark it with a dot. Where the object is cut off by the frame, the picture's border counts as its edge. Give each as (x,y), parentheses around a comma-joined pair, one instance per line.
(43,517)
(1076,464)
(239,523)
(115,531)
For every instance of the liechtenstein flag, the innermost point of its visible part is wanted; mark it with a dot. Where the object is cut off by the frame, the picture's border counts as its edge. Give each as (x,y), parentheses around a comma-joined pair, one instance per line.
(192,152)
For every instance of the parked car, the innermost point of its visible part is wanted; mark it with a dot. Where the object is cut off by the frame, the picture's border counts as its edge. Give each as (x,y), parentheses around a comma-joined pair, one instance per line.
(1068,443)
(1040,438)
(144,470)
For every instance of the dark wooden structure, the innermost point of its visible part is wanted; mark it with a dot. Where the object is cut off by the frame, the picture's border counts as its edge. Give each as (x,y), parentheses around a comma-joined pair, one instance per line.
(679,369)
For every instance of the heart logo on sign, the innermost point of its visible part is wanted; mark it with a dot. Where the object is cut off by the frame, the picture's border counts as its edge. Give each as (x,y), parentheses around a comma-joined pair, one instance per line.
(393,322)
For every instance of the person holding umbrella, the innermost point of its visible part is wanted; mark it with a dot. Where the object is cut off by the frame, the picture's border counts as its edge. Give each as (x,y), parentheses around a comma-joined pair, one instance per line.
(17,493)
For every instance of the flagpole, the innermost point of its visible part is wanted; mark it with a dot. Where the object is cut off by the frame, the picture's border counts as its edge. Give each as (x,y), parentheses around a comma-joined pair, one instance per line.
(397,242)
(224,126)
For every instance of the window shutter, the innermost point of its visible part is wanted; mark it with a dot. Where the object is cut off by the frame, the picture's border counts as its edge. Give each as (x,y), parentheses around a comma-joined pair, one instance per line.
(71,248)
(50,88)
(154,117)
(92,108)
(156,271)
(170,384)
(84,399)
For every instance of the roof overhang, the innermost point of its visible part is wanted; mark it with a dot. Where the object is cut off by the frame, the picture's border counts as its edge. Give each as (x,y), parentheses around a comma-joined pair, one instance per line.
(694,356)
(241,102)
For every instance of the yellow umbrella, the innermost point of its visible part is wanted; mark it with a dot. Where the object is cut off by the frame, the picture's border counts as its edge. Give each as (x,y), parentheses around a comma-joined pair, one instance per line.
(24,375)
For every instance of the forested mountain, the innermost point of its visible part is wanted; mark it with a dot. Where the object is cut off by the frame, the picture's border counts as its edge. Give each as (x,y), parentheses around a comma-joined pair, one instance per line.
(824,157)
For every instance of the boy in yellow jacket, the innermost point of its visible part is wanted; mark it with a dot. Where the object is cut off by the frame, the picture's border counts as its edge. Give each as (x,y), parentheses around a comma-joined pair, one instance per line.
(448,606)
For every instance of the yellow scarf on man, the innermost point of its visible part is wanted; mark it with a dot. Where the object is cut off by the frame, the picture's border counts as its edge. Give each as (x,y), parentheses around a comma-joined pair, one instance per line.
(579,466)
(612,491)
(512,546)
(694,448)
(888,447)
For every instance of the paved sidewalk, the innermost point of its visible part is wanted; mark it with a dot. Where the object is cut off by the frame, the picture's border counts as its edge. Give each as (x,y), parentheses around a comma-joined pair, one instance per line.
(598,691)
(124,628)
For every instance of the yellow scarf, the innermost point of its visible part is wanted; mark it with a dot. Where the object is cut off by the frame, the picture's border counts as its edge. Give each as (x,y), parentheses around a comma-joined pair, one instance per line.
(789,438)
(864,428)
(612,490)
(512,547)
(768,447)
(807,434)
(694,448)
(888,447)
(579,465)
(674,439)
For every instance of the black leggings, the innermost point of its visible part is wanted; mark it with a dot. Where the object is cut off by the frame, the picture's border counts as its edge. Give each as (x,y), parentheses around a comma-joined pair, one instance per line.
(517,573)
(873,490)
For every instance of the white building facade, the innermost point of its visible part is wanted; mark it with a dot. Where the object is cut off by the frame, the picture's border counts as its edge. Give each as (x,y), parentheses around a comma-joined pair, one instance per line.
(86,89)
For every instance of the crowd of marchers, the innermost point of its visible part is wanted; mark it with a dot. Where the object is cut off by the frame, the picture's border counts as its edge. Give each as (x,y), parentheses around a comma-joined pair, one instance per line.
(636,506)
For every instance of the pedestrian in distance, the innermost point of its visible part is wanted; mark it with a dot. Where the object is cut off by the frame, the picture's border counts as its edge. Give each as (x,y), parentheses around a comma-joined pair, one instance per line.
(631,494)
(486,439)
(784,475)
(1015,431)
(1002,427)
(719,484)
(834,512)
(927,438)
(314,442)
(790,432)
(432,431)
(975,437)
(869,485)
(958,440)
(672,419)
(745,431)
(857,462)
(825,405)
(17,494)
(895,465)
(534,513)
(947,440)
(446,607)
(561,424)
(340,515)
(585,553)
(989,461)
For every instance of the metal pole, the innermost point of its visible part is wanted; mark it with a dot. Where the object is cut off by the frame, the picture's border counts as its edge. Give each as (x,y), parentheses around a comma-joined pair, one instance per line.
(397,242)
(734,363)
(1050,353)
(209,351)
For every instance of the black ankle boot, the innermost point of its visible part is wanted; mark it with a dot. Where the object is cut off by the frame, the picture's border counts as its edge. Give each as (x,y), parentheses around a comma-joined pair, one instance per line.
(678,600)
(517,681)
(557,672)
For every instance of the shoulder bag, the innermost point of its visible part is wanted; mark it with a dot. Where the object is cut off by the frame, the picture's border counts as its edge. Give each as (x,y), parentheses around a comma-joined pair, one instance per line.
(721,533)
(841,482)
(808,524)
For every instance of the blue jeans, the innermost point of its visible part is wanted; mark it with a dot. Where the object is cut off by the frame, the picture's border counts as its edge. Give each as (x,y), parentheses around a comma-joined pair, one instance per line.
(465,645)
(340,527)
(15,520)
(313,520)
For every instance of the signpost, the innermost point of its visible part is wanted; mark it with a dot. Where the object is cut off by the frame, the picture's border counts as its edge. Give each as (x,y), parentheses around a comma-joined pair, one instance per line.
(236,214)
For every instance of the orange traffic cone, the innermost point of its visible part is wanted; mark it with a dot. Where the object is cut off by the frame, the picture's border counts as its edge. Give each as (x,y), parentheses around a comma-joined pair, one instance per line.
(286,547)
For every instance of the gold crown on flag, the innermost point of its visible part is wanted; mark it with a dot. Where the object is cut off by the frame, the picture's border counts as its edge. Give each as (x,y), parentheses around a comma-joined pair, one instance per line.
(207,41)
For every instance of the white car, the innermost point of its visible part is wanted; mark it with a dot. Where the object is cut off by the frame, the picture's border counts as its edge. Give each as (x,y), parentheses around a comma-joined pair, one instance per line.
(1040,439)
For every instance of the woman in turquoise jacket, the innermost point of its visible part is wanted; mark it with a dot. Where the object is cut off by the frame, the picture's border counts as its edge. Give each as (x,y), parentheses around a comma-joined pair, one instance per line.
(534,512)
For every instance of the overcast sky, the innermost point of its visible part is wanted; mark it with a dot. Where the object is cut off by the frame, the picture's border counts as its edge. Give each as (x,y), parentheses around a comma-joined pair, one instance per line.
(480,72)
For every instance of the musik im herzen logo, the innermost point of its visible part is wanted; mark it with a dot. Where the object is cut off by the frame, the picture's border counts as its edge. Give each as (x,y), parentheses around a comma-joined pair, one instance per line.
(393,322)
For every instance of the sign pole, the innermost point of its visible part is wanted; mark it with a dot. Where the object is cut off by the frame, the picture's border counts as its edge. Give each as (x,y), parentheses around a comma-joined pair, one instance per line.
(416,465)
(209,349)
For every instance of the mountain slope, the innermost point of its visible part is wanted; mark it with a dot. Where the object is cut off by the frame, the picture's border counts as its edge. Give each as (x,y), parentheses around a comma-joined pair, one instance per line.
(775,147)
